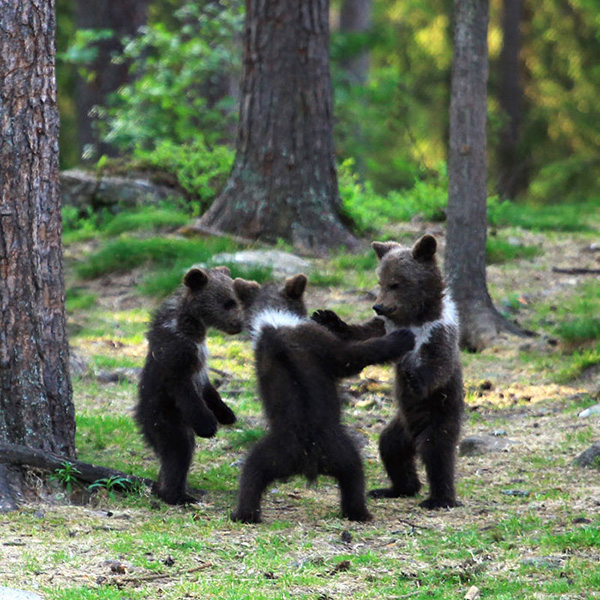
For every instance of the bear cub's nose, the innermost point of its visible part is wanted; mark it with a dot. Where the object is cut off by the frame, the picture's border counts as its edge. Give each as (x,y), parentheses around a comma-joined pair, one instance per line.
(382,310)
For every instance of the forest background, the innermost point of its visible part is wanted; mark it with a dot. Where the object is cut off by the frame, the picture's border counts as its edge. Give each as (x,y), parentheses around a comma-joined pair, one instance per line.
(391,63)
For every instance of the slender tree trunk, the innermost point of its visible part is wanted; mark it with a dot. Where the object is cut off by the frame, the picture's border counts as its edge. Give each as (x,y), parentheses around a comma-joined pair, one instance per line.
(124,18)
(284,180)
(355,17)
(511,166)
(36,407)
(467,190)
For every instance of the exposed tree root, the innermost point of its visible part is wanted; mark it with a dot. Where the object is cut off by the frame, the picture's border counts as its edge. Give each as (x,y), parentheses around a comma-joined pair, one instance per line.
(23,456)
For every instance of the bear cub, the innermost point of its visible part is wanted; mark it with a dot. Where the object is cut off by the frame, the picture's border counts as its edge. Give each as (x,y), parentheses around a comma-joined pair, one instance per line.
(298,363)
(176,398)
(428,382)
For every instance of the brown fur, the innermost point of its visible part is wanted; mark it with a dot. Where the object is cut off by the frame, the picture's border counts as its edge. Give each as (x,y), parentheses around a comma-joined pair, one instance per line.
(428,387)
(298,363)
(176,398)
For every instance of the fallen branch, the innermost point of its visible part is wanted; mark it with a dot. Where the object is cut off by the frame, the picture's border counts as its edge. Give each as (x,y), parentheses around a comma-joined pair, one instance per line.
(576,271)
(154,577)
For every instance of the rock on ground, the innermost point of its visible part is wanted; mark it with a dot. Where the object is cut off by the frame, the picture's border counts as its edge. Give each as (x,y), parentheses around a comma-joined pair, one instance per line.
(590,458)
(10,594)
(282,263)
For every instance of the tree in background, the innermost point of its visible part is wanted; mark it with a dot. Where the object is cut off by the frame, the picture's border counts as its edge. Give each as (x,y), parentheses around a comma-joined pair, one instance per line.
(355,20)
(467,172)
(284,179)
(114,20)
(511,164)
(36,407)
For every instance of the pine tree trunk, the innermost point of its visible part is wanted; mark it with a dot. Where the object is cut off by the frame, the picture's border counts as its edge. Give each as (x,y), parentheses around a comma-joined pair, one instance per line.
(467,170)
(284,180)
(124,18)
(36,407)
(511,166)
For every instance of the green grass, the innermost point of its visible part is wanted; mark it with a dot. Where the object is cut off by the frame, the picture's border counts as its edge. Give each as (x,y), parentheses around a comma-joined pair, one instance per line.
(105,224)
(499,251)
(78,299)
(553,217)
(126,253)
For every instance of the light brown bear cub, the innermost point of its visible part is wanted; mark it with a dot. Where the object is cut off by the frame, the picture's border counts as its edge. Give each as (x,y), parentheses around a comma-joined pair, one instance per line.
(428,385)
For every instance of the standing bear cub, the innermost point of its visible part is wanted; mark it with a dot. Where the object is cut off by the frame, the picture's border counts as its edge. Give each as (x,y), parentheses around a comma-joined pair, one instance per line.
(428,385)
(176,398)
(298,363)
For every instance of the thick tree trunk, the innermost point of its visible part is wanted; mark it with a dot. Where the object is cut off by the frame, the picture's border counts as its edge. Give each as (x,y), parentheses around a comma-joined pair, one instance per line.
(284,180)
(511,166)
(355,17)
(36,407)
(124,18)
(467,190)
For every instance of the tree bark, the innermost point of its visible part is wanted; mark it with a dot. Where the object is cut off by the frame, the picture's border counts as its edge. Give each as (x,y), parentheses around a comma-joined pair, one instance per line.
(284,180)
(36,407)
(511,166)
(467,171)
(355,17)
(124,18)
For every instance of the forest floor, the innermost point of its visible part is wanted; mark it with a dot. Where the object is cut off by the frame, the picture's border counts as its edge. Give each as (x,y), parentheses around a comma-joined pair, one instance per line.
(529,526)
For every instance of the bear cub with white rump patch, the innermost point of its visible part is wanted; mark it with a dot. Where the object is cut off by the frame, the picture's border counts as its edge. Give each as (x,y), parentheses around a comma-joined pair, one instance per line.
(428,384)
(298,363)
(176,398)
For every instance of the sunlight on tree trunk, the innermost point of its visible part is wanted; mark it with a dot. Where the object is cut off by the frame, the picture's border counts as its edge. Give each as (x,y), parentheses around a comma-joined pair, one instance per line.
(36,407)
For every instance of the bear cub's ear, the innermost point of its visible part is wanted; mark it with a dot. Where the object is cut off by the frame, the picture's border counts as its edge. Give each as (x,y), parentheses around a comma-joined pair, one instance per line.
(382,248)
(295,286)
(425,248)
(195,279)
(245,290)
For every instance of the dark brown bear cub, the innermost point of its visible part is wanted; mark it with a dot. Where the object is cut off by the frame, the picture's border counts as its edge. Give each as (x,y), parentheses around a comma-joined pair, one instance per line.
(297,365)
(429,388)
(176,398)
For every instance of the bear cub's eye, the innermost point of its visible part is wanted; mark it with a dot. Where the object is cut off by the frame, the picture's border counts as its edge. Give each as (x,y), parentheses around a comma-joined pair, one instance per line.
(394,286)
(229,304)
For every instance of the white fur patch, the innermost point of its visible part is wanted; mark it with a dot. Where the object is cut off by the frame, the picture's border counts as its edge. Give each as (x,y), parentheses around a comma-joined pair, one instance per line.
(273,318)
(448,319)
(171,324)
(201,377)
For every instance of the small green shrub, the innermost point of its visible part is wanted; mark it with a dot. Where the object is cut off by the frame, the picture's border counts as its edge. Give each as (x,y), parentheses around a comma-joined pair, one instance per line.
(369,210)
(67,475)
(201,169)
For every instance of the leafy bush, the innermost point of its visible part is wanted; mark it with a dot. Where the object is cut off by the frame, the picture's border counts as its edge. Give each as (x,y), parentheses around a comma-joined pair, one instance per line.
(173,68)
(369,210)
(200,170)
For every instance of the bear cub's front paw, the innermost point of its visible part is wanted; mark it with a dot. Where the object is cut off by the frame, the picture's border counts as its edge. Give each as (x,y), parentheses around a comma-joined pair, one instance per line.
(205,426)
(329,320)
(402,341)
